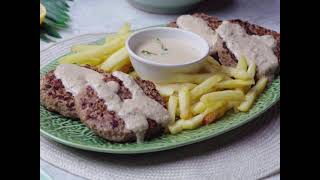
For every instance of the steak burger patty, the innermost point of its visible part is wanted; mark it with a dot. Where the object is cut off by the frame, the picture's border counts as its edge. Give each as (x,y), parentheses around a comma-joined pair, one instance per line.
(54,96)
(93,111)
(95,114)
(222,52)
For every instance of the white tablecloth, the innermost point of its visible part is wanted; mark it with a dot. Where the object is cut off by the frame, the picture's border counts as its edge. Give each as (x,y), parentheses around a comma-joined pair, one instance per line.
(249,152)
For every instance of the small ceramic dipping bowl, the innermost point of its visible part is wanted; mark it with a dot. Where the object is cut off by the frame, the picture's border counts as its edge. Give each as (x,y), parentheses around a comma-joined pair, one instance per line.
(161,72)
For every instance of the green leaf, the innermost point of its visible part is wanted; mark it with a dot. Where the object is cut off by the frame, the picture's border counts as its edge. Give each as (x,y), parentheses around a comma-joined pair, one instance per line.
(51,23)
(51,31)
(44,37)
(54,7)
(57,18)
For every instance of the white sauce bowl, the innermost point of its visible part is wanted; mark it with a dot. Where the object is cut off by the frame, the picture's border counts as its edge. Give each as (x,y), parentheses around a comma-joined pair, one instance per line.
(158,72)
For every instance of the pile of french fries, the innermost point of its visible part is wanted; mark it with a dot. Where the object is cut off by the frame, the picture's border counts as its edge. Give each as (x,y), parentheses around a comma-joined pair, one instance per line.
(109,56)
(193,100)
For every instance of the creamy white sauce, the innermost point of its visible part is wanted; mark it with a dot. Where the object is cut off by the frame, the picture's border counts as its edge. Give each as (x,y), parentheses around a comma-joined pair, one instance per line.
(167,50)
(200,27)
(133,111)
(257,49)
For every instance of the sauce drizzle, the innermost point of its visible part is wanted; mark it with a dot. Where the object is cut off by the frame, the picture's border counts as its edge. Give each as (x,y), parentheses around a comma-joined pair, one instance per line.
(134,112)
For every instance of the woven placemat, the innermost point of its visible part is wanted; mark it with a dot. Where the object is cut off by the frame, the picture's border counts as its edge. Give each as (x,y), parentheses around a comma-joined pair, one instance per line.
(249,152)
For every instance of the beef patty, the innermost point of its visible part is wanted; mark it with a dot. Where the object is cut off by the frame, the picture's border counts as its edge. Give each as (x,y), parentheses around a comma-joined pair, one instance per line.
(92,111)
(224,55)
(95,114)
(54,96)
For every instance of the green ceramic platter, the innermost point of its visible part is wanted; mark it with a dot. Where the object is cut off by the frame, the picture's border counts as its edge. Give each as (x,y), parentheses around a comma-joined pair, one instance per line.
(75,134)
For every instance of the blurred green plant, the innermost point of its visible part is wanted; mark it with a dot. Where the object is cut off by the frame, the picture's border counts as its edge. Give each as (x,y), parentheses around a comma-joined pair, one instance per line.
(57,18)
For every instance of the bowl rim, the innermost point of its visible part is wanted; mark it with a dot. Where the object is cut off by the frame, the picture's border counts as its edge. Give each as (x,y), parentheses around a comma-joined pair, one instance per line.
(189,33)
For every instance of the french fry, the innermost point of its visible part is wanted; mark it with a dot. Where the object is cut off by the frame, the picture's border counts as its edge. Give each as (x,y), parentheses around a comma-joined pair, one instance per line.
(169,89)
(84,47)
(176,127)
(125,29)
(211,65)
(253,93)
(205,86)
(182,124)
(226,95)
(227,77)
(192,123)
(244,89)
(117,59)
(110,37)
(209,68)
(233,105)
(189,78)
(125,68)
(91,61)
(234,83)
(219,111)
(242,64)
(198,108)
(214,63)
(252,70)
(97,53)
(165,91)
(134,74)
(184,103)
(178,110)
(172,107)
(236,73)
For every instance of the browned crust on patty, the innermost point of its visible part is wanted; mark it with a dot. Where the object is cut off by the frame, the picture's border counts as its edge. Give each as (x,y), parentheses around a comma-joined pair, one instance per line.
(92,110)
(54,96)
(224,55)
(95,114)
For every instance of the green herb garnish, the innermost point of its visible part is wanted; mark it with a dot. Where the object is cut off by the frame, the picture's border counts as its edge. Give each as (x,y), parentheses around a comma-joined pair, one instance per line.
(161,44)
(148,52)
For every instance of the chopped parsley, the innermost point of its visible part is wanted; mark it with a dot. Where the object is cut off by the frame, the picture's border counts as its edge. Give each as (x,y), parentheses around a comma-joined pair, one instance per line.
(148,52)
(161,44)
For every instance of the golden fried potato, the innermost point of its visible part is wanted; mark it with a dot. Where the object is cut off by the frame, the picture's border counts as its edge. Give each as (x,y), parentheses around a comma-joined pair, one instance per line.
(242,64)
(172,107)
(185,103)
(126,68)
(182,124)
(214,63)
(253,93)
(234,83)
(134,74)
(205,86)
(221,108)
(169,89)
(191,123)
(189,78)
(236,73)
(252,70)
(198,108)
(94,56)
(83,47)
(226,95)
(116,61)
